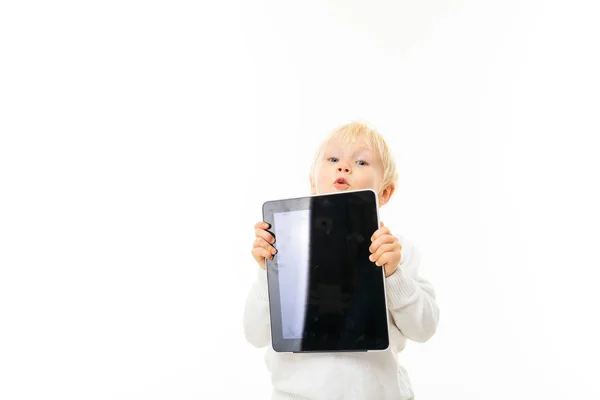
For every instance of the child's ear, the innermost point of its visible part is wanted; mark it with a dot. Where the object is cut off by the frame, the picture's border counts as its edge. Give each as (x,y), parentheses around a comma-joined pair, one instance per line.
(386,194)
(313,189)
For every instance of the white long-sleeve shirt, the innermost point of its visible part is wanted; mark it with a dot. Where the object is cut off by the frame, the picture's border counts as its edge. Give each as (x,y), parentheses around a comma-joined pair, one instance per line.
(413,314)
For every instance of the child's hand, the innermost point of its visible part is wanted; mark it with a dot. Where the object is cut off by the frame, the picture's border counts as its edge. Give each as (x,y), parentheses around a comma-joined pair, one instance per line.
(386,250)
(262,248)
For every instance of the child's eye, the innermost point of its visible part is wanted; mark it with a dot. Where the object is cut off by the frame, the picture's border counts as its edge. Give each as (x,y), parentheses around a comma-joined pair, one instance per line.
(332,159)
(363,162)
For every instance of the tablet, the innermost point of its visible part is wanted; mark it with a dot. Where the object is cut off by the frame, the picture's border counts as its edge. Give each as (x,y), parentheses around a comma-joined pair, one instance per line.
(325,295)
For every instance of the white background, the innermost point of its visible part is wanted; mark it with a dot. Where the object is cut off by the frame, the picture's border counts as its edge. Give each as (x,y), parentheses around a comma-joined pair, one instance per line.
(138,141)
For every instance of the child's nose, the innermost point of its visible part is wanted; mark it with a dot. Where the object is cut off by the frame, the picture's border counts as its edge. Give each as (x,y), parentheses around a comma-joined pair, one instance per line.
(345,169)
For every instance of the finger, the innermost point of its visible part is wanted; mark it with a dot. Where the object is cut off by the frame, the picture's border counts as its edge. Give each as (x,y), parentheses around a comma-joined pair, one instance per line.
(262,225)
(260,253)
(379,232)
(383,250)
(265,235)
(385,259)
(260,242)
(381,224)
(386,248)
(381,240)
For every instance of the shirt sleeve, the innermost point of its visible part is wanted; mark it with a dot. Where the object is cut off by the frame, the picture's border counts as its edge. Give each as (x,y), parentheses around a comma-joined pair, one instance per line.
(411,299)
(257,321)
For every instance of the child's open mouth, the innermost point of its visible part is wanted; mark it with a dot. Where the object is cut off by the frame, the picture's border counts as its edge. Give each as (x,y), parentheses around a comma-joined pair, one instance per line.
(341,183)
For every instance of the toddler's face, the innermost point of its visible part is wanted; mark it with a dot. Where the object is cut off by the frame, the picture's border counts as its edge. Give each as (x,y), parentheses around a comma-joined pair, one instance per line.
(348,166)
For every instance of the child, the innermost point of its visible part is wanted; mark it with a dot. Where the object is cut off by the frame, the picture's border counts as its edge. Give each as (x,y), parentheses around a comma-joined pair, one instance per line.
(359,155)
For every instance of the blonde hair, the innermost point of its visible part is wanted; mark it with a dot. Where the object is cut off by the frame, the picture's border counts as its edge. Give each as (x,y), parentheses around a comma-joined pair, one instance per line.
(350,133)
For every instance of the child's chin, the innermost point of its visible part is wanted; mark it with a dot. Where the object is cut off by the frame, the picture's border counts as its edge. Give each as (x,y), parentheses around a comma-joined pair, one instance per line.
(341,188)
(333,189)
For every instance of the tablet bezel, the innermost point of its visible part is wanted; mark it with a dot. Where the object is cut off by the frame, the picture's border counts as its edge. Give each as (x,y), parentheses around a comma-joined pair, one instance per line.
(279,343)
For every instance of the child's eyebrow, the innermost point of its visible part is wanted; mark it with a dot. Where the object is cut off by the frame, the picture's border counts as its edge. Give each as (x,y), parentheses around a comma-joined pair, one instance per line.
(333,151)
(364,152)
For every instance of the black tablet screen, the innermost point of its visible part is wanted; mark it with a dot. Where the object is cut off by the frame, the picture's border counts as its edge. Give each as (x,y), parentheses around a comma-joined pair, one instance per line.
(325,294)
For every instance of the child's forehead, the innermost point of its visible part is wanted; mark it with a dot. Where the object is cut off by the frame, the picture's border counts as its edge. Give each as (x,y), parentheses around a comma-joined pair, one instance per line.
(348,143)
